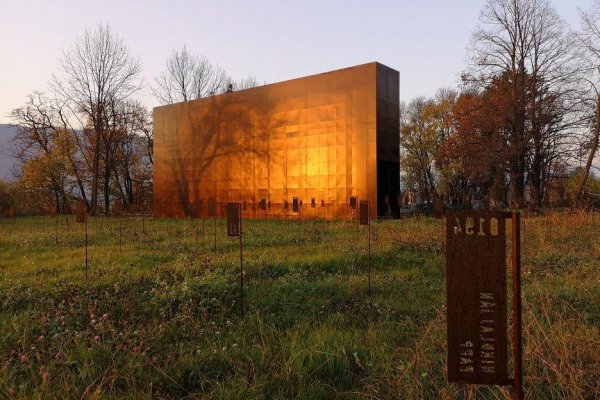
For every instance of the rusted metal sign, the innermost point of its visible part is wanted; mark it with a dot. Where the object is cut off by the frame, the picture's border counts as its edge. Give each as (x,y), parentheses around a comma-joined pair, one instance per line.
(353,202)
(234,214)
(80,212)
(295,205)
(363,212)
(197,208)
(322,203)
(211,206)
(53,211)
(313,203)
(438,208)
(476,297)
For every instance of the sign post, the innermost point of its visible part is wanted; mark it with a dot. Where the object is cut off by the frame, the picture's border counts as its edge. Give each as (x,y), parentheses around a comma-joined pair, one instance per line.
(81,217)
(366,220)
(234,228)
(202,216)
(477,299)
(517,333)
(354,206)
(211,213)
(53,215)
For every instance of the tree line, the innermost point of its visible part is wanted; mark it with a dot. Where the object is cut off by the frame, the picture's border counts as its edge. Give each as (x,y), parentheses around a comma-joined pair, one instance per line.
(525,113)
(525,116)
(88,136)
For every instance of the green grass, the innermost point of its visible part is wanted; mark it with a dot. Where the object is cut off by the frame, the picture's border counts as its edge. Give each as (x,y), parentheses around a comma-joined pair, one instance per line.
(158,315)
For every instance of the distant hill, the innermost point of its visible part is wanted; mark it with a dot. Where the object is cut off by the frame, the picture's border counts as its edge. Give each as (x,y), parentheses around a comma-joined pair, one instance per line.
(6,162)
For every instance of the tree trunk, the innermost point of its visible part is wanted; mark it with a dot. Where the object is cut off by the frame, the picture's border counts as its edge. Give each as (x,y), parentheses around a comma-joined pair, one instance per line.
(588,165)
(536,179)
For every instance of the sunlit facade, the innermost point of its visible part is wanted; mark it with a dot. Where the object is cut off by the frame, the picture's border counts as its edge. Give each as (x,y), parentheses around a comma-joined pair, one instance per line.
(321,139)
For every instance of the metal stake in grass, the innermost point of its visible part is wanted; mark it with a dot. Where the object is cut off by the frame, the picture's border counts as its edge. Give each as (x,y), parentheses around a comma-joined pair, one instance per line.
(517,331)
(86,245)
(56,230)
(234,228)
(212,213)
(364,219)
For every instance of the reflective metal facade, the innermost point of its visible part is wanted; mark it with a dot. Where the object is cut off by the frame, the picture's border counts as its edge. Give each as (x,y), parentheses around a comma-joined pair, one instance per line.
(328,137)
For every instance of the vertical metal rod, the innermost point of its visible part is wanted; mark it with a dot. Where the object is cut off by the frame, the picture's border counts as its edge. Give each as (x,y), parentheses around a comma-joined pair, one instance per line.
(517,334)
(86,244)
(356,216)
(56,230)
(120,234)
(369,226)
(241,269)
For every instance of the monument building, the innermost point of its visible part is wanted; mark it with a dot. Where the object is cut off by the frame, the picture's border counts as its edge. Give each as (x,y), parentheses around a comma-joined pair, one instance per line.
(318,140)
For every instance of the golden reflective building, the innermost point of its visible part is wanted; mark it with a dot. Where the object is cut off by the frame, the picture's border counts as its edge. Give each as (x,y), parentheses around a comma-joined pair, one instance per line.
(321,139)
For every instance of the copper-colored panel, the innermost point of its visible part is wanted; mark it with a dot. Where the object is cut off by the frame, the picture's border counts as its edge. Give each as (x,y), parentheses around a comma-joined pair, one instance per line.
(325,135)
(476,297)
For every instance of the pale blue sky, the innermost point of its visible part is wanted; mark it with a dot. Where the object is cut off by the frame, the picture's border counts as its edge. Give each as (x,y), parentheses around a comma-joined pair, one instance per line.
(272,40)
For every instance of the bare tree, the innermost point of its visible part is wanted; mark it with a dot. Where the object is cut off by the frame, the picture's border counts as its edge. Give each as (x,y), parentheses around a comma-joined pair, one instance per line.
(42,133)
(527,43)
(98,72)
(246,83)
(589,39)
(133,153)
(188,77)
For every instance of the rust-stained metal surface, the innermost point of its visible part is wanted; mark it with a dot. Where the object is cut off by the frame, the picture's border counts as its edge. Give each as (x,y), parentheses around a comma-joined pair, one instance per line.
(476,297)
(80,211)
(53,211)
(363,212)
(353,202)
(295,205)
(328,136)
(212,207)
(234,216)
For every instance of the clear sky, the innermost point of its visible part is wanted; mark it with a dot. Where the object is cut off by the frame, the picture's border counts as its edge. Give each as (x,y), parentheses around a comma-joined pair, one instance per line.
(272,40)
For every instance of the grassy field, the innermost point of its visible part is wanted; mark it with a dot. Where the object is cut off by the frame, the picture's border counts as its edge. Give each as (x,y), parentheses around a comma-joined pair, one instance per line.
(158,315)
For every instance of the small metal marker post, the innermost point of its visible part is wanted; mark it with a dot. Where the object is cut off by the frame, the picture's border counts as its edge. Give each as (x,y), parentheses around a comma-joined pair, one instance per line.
(517,329)
(234,228)
(53,215)
(365,219)
(81,217)
(354,206)
(143,222)
(86,245)
(212,213)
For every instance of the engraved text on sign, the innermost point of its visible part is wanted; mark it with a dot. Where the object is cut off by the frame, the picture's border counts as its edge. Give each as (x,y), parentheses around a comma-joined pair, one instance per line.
(476,297)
